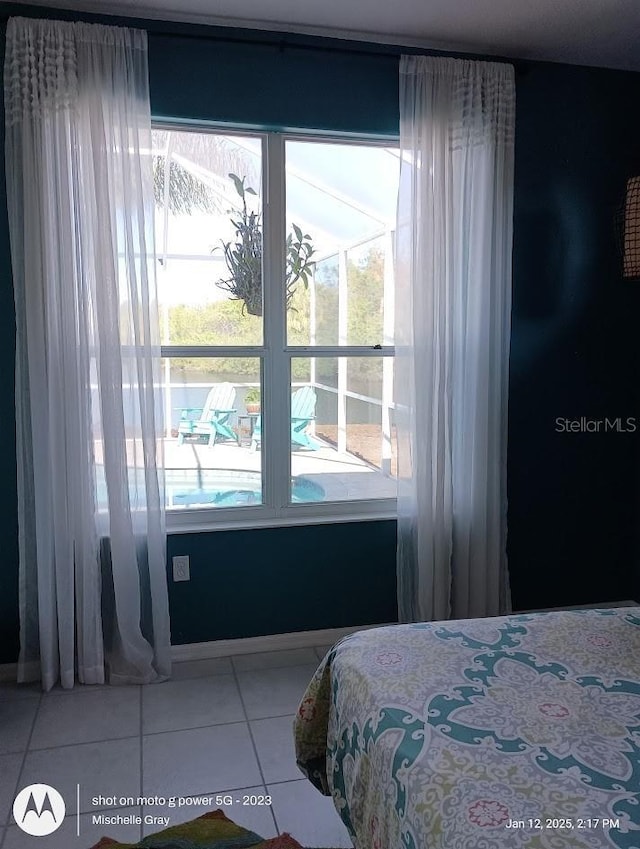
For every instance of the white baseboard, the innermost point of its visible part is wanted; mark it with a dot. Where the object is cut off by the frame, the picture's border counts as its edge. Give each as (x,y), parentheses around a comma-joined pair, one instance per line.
(8,672)
(606,605)
(296,640)
(246,645)
(308,639)
(269,642)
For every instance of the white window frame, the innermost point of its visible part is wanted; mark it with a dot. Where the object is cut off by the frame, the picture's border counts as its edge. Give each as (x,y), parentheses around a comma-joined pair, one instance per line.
(275,358)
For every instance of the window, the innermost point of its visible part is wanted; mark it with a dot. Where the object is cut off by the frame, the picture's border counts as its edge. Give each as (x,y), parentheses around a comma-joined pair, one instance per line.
(275,279)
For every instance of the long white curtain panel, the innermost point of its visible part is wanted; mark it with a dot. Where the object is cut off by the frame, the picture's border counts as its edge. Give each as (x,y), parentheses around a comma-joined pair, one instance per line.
(91,503)
(453,252)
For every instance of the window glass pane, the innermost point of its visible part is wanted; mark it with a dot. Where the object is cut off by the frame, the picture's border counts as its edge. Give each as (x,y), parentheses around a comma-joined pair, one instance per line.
(325,293)
(341,203)
(208,237)
(365,294)
(342,429)
(212,407)
(193,313)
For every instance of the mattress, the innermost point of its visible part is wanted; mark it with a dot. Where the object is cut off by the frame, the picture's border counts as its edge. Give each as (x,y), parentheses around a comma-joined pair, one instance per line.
(518,731)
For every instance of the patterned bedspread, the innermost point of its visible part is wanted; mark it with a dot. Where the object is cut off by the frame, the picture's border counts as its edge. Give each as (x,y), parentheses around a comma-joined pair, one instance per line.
(518,731)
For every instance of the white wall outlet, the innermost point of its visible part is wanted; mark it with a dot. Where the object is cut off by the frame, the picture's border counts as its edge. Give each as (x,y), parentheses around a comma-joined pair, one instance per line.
(181,568)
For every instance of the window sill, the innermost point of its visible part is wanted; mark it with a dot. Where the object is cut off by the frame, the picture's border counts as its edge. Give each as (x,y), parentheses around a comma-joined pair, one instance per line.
(249,518)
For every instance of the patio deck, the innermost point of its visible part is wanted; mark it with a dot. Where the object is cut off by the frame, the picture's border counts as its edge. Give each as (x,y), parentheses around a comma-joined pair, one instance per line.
(342,476)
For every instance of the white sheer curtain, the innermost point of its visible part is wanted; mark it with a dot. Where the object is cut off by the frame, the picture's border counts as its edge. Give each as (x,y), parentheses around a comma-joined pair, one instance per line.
(91,503)
(452,335)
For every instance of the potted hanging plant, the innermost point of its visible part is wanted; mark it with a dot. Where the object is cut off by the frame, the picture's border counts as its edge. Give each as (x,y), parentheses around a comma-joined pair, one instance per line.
(252,400)
(244,256)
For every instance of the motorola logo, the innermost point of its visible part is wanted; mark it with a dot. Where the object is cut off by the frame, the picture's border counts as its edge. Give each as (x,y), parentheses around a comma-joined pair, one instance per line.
(39,810)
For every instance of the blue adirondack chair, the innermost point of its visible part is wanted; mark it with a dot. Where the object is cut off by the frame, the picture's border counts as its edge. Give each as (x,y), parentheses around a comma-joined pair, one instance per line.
(303,411)
(212,420)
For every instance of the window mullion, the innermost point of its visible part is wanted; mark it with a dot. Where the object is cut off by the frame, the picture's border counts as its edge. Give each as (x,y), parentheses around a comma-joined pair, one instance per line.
(276,458)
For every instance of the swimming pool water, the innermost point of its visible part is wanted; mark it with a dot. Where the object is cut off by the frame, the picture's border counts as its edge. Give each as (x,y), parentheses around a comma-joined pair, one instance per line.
(239,489)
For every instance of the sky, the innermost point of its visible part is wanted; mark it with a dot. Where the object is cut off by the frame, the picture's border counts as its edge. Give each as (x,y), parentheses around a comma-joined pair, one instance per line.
(341,194)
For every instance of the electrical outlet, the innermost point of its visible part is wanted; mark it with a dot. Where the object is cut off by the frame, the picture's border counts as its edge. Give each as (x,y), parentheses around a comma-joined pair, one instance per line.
(181,568)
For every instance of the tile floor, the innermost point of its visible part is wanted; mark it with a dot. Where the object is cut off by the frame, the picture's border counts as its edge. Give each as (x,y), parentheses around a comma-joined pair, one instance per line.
(221,726)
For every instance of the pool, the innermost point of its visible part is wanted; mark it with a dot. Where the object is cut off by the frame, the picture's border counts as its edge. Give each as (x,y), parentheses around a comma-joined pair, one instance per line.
(233,488)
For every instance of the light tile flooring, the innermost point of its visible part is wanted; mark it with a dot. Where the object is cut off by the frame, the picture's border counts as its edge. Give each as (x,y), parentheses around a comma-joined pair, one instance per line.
(221,726)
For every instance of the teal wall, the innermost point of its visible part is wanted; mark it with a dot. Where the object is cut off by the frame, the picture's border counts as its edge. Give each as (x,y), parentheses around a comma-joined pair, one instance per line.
(573,502)
(573,498)
(280,580)
(262,85)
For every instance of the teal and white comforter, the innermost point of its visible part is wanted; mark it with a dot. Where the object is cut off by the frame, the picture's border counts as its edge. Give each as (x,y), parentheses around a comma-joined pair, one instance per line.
(518,731)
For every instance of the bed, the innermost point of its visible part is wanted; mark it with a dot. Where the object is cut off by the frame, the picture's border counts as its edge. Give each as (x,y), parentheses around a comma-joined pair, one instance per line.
(517,731)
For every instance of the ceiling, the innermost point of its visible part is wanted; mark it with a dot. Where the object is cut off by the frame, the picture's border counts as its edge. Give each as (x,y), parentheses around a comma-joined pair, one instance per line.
(603,33)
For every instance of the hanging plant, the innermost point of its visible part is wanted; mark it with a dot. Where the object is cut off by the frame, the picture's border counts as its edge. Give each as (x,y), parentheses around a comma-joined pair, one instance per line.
(244,256)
